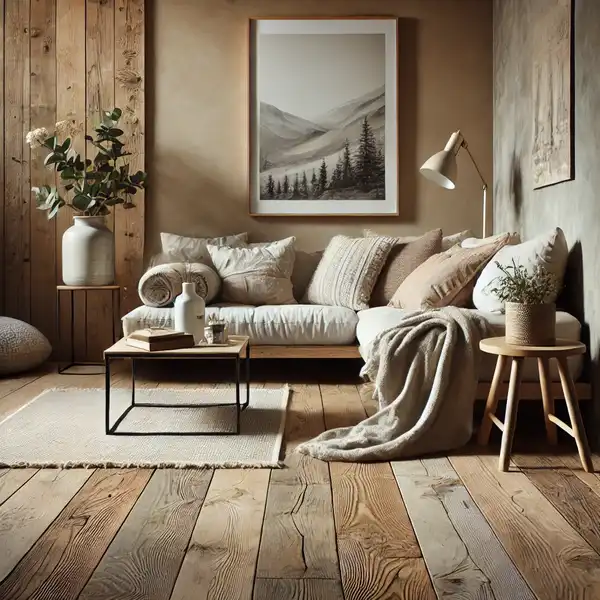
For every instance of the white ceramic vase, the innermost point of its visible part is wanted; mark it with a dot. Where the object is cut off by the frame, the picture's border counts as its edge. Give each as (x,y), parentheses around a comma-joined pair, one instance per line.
(189,312)
(88,253)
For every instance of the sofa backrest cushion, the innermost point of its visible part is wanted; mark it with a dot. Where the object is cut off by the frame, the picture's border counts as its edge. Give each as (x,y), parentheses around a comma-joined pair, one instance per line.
(180,248)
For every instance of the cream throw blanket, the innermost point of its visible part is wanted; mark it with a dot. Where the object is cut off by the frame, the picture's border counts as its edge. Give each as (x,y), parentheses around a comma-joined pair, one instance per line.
(425,371)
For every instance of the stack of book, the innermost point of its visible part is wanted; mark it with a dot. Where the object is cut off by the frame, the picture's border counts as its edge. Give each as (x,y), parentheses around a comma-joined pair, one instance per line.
(157,339)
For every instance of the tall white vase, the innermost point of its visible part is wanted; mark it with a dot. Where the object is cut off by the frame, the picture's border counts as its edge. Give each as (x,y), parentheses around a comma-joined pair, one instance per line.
(189,312)
(88,253)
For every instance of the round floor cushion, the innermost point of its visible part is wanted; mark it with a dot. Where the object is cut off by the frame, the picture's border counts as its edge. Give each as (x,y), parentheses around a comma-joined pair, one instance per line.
(22,346)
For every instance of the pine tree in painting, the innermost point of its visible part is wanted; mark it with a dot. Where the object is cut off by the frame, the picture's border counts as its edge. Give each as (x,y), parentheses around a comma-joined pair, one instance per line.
(270,187)
(347,166)
(296,188)
(304,185)
(380,172)
(278,189)
(314,185)
(322,185)
(286,186)
(336,176)
(366,158)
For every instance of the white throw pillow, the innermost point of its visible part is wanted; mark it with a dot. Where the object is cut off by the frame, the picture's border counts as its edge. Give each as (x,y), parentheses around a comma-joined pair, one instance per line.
(256,275)
(549,251)
(180,248)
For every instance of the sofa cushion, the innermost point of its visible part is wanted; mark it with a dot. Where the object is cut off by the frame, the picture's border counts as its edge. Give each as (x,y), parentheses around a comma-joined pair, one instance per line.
(161,284)
(285,325)
(548,251)
(348,271)
(402,260)
(257,275)
(446,278)
(373,321)
(180,248)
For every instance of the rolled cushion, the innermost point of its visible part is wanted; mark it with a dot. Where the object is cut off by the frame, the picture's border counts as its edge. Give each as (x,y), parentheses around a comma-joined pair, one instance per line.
(160,285)
(22,346)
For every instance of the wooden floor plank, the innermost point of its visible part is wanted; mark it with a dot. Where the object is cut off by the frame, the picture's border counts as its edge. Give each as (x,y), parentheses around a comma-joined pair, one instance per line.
(144,558)
(221,557)
(376,543)
(473,563)
(554,559)
(573,462)
(62,560)
(342,406)
(27,513)
(568,494)
(304,421)
(298,539)
(298,589)
(365,391)
(11,480)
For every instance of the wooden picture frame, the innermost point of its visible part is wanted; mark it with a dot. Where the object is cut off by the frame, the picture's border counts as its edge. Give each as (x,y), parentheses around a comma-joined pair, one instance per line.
(323,116)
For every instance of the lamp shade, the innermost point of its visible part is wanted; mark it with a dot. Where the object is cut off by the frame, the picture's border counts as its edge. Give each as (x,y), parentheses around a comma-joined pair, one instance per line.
(441,169)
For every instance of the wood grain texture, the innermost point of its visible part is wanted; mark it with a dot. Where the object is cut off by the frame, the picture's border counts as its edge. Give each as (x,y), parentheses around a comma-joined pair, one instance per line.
(555,561)
(17,199)
(153,539)
(473,563)
(129,96)
(378,552)
(576,501)
(12,479)
(70,106)
(297,589)
(43,114)
(342,406)
(305,352)
(62,560)
(221,557)
(298,539)
(26,514)
(304,421)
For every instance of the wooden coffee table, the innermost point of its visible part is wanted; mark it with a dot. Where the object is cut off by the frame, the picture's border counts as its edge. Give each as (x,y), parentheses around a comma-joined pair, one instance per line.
(238,348)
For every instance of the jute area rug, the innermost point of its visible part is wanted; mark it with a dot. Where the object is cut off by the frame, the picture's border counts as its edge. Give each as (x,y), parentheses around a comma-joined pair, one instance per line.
(65,428)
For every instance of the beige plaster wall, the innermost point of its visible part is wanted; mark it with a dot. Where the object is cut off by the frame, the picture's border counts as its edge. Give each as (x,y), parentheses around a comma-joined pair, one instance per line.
(198,127)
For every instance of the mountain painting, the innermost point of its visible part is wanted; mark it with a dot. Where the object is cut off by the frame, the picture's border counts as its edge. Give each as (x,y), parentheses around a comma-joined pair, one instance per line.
(322,120)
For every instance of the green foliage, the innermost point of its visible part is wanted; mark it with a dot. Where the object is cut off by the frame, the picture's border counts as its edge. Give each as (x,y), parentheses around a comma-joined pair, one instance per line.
(519,284)
(91,187)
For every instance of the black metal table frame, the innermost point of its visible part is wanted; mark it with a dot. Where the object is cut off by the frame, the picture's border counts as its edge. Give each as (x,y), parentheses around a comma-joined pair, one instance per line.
(240,406)
(115,303)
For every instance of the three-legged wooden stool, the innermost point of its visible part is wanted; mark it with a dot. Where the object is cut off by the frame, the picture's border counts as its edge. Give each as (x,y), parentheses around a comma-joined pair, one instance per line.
(560,351)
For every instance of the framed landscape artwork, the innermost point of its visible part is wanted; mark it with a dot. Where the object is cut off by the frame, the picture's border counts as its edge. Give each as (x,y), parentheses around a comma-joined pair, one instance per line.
(324,116)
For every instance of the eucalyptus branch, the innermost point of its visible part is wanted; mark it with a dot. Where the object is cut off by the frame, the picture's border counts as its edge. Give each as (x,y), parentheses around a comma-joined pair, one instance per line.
(92,186)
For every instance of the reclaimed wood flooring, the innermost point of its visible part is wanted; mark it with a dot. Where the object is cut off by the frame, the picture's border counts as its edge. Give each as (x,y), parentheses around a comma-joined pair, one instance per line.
(437,527)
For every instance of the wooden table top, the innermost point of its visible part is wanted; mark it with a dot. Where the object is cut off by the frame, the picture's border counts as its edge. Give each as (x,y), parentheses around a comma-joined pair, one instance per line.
(561,348)
(237,345)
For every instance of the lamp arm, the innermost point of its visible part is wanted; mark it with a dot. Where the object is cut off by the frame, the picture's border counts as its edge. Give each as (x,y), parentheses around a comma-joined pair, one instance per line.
(485,187)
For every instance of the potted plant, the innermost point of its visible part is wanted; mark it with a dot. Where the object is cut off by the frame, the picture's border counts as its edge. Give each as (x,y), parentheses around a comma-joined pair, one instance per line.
(90,187)
(526,293)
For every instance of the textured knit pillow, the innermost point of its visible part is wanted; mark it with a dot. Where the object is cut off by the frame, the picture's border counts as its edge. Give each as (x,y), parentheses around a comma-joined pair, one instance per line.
(256,275)
(180,248)
(161,284)
(447,241)
(446,278)
(402,260)
(347,273)
(549,250)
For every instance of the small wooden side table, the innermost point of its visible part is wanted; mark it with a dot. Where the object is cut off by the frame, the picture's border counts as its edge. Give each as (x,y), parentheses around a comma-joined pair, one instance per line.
(70,290)
(560,351)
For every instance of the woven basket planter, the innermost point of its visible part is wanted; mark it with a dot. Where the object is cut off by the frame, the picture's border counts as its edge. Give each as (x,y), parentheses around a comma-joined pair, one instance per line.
(530,324)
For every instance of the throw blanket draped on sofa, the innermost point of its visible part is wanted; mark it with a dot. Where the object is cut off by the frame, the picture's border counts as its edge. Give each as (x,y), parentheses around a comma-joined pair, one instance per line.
(425,372)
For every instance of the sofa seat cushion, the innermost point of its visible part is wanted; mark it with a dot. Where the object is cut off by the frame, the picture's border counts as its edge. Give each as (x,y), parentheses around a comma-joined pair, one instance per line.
(373,321)
(283,325)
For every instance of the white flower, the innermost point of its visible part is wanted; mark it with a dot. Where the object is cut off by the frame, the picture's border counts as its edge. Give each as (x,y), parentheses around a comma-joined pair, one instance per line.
(66,128)
(37,137)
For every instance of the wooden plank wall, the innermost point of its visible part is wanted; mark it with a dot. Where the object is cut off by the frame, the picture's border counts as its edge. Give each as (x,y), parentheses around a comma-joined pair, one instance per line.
(65,59)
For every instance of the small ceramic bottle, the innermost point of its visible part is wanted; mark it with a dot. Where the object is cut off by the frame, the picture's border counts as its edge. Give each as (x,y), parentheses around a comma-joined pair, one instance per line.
(189,312)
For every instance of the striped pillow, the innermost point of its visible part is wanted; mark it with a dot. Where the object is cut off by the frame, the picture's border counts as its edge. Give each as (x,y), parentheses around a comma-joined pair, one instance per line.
(348,271)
